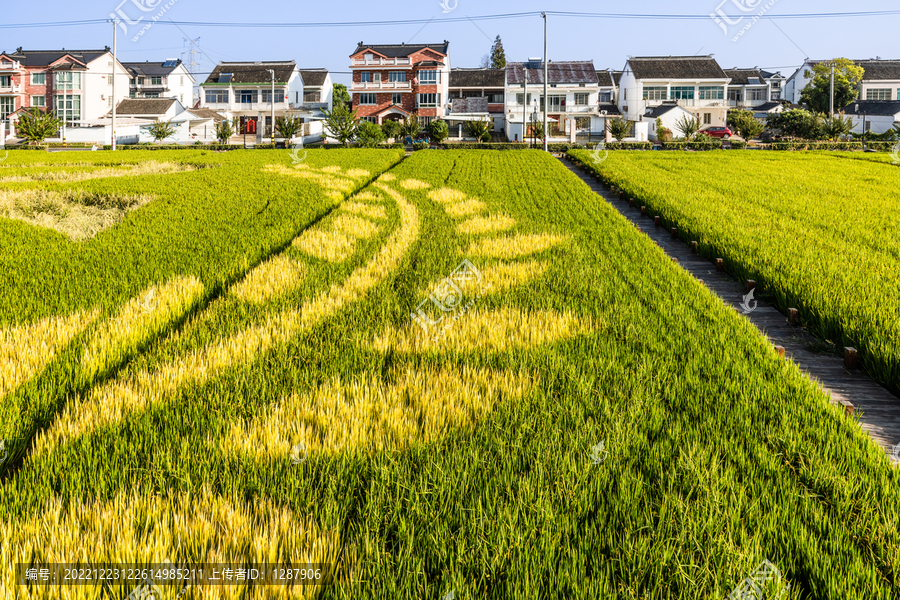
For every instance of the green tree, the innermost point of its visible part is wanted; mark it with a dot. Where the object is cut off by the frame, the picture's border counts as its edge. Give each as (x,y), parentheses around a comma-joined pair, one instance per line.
(618,128)
(838,126)
(798,123)
(341,95)
(410,126)
(37,125)
(498,56)
(480,130)
(817,92)
(391,128)
(341,123)
(288,126)
(225,129)
(536,126)
(160,130)
(439,130)
(369,135)
(687,127)
(745,124)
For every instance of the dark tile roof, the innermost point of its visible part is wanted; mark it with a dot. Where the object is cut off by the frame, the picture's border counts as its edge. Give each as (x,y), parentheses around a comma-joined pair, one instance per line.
(770,74)
(605,78)
(314,77)
(400,50)
(658,111)
(567,71)
(877,70)
(617,75)
(205,113)
(765,107)
(611,109)
(253,72)
(676,67)
(42,58)
(469,105)
(478,78)
(144,106)
(149,69)
(881,108)
(742,76)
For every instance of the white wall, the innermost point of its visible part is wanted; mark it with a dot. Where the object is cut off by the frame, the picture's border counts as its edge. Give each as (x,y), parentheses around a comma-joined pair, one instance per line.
(96,86)
(181,85)
(879,124)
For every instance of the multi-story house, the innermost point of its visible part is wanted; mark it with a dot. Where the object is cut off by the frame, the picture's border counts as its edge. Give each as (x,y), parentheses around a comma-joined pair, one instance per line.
(318,92)
(776,85)
(391,81)
(243,91)
(476,94)
(168,79)
(76,84)
(695,83)
(881,80)
(607,88)
(748,88)
(572,103)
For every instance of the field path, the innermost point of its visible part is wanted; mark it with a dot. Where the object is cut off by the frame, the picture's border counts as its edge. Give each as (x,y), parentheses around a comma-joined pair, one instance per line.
(878,410)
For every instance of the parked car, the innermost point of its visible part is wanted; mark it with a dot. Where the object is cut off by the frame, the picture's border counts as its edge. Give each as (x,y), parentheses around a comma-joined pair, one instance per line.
(718,132)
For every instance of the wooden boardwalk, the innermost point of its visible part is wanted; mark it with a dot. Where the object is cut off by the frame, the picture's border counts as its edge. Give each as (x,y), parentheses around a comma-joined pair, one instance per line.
(877,409)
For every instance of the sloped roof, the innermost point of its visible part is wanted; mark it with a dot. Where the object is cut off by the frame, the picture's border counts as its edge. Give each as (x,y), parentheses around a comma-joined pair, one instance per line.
(566,71)
(149,69)
(766,106)
(617,76)
(878,70)
(611,109)
(676,67)
(477,78)
(606,78)
(314,77)
(770,74)
(253,72)
(400,50)
(144,106)
(43,58)
(742,76)
(881,108)
(658,111)
(205,113)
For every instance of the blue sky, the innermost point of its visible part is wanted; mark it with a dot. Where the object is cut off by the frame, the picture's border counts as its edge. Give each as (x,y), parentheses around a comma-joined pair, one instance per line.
(779,45)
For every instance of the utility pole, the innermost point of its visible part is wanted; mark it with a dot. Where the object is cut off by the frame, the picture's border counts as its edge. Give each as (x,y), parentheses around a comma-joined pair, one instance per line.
(831,97)
(524,99)
(272,121)
(546,99)
(114,89)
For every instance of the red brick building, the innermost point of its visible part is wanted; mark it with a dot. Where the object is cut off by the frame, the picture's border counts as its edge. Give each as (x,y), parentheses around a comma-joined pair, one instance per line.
(391,81)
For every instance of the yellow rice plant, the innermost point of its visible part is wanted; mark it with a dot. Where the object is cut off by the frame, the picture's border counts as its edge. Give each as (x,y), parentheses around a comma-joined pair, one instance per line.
(150,167)
(503,276)
(330,169)
(74,213)
(387,177)
(366,195)
(358,173)
(446,196)
(137,321)
(370,414)
(366,210)
(513,246)
(327,180)
(275,277)
(465,208)
(26,349)
(115,400)
(477,225)
(414,184)
(332,246)
(142,529)
(486,330)
(354,226)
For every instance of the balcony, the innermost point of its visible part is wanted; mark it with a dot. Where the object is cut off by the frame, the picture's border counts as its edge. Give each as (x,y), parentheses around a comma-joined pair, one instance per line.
(8,90)
(381,62)
(381,85)
(10,66)
(745,103)
(309,106)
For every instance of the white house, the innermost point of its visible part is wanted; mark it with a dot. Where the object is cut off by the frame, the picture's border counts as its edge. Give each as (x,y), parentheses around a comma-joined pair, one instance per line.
(167,79)
(669,113)
(776,84)
(747,89)
(476,95)
(695,83)
(876,116)
(881,79)
(318,94)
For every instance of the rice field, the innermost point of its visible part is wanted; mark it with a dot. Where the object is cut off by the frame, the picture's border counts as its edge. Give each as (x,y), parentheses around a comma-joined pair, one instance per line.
(452,375)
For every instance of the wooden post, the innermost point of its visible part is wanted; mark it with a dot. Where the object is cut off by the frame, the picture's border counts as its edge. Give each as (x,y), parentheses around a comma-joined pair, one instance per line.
(850,358)
(780,351)
(693,247)
(643,210)
(848,408)
(751,285)
(657,220)
(674,260)
(631,203)
(720,264)
(793,317)
(674,232)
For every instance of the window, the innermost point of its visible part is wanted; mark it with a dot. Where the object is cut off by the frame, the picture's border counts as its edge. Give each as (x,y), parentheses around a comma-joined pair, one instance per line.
(248,96)
(655,93)
(712,92)
(428,100)
(681,93)
(151,95)
(426,121)
(140,81)
(38,79)
(878,94)
(376,77)
(279,96)
(5,81)
(397,98)
(606,97)
(68,107)
(707,118)
(216,96)
(67,81)
(519,99)
(429,77)
(776,96)
(367,99)
(156,81)
(776,85)
(397,76)
(365,77)
(735,95)
(369,119)
(581,99)
(898,93)
(368,56)
(7,106)
(312,96)
(759,94)
(495,98)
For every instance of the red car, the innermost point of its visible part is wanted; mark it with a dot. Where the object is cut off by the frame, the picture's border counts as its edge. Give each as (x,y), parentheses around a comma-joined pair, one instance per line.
(718,132)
